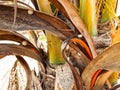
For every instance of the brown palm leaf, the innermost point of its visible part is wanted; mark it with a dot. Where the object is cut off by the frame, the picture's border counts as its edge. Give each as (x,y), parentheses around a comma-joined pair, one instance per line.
(104,61)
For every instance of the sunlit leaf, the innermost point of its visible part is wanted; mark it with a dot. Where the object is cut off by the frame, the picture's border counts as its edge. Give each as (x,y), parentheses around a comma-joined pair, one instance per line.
(108,10)
(87,13)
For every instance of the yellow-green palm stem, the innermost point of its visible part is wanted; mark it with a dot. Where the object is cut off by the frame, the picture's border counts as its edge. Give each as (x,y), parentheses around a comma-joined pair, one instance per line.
(54,47)
(87,12)
(44,5)
(54,43)
(108,10)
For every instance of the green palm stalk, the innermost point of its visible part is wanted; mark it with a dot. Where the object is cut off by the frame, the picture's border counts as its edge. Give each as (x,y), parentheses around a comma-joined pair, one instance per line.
(108,10)
(54,43)
(54,47)
(87,13)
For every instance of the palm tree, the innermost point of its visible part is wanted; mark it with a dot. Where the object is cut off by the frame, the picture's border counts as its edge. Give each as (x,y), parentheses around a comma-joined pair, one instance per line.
(70,35)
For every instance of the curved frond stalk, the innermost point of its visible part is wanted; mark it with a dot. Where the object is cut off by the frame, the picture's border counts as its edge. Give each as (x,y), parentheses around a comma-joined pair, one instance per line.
(23,42)
(82,63)
(22,48)
(116,39)
(101,79)
(54,43)
(39,21)
(78,79)
(84,46)
(70,12)
(27,69)
(20,77)
(87,13)
(12,49)
(16,37)
(108,60)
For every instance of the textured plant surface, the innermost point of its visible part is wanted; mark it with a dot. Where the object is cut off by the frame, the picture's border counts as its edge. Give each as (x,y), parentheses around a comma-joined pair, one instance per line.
(73,59)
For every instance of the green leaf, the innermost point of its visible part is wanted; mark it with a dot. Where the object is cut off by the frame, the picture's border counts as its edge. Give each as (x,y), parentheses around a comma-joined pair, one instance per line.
(108,11)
